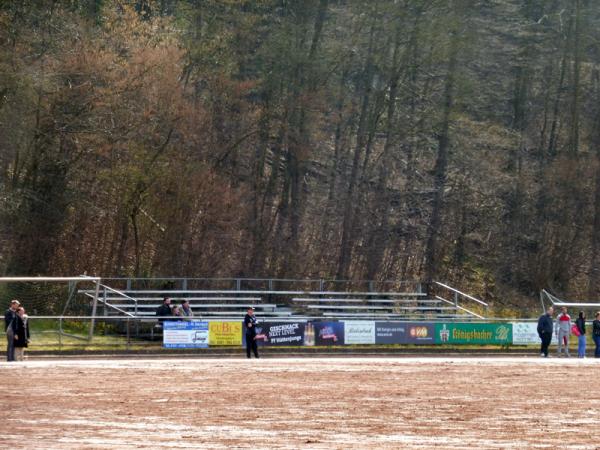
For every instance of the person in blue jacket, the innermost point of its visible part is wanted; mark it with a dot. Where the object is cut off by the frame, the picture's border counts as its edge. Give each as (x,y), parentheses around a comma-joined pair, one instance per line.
(580,324)
(545,328)
(596,334)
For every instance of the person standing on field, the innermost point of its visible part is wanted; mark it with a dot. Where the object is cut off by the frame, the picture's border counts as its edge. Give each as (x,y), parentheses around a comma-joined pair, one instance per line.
(580,324)
(10,326)
(250,324)
(22,334)
(596,334)
(563,330)
(545,329)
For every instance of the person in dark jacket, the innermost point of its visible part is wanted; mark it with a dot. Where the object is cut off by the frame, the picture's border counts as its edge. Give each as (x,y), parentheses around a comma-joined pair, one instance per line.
(10,327)
(545,328)
(250,324)
(164,310)
(22,334)
(596,334)
(580,324)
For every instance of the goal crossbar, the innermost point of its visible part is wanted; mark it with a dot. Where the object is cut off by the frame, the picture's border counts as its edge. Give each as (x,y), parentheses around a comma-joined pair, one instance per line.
(42,279)
(555,301)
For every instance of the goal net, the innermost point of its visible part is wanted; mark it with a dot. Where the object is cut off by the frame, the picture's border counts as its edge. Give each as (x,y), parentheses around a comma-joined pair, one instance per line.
(50,296)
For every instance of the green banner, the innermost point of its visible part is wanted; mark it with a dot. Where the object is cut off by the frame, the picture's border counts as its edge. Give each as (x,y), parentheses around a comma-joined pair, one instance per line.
(473,333)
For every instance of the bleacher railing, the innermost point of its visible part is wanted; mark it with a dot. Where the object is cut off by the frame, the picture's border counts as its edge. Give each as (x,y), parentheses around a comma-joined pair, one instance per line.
(263,284)
(456,296)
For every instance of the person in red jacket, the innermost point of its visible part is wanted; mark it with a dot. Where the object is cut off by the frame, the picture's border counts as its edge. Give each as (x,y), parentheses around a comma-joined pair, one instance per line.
(563,331)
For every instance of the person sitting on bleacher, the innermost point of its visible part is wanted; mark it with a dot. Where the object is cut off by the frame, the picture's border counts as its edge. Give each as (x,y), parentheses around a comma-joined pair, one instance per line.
(186,310)
(177,315)
(164,310)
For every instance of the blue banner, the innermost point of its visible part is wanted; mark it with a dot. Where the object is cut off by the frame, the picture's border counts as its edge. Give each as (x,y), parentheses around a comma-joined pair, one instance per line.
(328,333)
(185,334)
(280,333)
(404,333)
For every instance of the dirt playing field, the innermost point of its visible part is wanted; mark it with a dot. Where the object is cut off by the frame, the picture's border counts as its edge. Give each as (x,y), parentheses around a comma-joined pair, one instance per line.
(301,403)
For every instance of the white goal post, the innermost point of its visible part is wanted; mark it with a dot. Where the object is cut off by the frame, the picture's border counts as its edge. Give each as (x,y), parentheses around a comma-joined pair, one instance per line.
(26,289)
(555,301)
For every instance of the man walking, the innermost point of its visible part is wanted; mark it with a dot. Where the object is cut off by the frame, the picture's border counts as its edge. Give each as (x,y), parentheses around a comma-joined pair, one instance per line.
(563,330)
(10,326)
(545,329)
(250,324)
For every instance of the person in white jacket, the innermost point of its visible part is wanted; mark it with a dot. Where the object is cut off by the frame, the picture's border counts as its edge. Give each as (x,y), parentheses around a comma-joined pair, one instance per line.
(562,328)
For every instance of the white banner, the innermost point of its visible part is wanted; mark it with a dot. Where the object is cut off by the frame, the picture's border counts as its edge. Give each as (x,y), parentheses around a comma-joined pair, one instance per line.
(359,332)
(525,333)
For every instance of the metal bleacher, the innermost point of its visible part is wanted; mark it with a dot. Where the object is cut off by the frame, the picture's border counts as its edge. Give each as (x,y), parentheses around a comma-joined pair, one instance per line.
(228,299)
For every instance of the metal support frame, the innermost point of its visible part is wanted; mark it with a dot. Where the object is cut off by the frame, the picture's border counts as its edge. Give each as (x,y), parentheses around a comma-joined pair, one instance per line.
(94,309)
(456,294)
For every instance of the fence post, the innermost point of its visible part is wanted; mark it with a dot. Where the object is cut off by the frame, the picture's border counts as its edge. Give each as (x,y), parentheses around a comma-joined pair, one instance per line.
(455,298)
(94,309)
(542,301)
(105,311)
(60,333)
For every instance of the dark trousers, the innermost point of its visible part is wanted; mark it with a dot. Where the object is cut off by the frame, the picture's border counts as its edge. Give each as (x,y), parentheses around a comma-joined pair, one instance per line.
(546,339)
(10,345)
(251,346)
(597,342)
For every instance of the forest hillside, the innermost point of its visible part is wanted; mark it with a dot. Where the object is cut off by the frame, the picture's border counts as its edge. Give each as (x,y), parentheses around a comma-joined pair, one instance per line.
(456,140)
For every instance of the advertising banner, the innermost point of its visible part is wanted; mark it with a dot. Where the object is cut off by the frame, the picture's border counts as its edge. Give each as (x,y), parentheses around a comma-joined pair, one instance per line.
(225,333)
(329,333)
(404,333)
(185,334)
(359,332)
(473,333)
(525,333)
(280,333)
(420,333)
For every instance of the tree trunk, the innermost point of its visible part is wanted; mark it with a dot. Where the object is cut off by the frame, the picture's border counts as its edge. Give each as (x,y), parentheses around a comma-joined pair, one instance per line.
(432,256)
(348,220)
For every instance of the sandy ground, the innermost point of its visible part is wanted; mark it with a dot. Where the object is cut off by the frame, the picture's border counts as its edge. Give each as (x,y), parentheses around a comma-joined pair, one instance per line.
(301,403)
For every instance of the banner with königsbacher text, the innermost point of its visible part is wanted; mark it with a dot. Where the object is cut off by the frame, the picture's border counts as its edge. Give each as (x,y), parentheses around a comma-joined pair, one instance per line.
(473,333)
